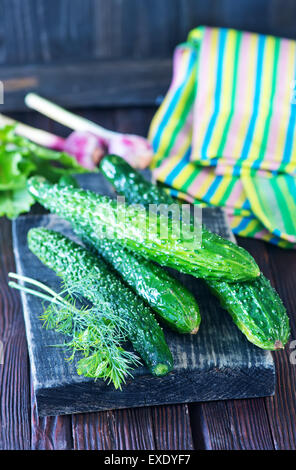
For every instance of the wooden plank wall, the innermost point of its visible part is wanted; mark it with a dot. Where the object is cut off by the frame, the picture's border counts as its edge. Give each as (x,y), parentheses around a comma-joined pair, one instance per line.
(113,52)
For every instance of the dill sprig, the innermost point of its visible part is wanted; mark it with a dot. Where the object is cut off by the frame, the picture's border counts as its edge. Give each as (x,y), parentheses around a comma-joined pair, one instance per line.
(96,333)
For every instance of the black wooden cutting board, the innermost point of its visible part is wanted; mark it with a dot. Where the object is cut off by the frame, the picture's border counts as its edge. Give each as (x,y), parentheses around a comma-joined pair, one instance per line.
(217,363)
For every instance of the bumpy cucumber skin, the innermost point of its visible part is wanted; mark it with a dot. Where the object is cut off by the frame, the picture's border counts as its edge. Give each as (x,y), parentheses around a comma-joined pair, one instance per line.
(254,306)
(256,309)
(216,259)
(130,183)
(175,305)
(100,286)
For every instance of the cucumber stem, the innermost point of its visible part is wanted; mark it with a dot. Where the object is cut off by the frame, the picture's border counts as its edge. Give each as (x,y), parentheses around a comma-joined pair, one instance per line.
(14,285)
(54,297)
(194,331)
(160,369)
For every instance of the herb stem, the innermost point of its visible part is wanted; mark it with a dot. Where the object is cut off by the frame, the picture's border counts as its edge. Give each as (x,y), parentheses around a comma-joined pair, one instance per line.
(39,284)
(14,285)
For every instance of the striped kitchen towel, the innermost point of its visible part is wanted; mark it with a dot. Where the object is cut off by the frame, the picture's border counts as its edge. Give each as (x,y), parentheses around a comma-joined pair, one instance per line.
(225,132)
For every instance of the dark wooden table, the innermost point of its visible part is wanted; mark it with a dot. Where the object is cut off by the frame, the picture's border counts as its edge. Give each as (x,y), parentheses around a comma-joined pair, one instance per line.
(264,423)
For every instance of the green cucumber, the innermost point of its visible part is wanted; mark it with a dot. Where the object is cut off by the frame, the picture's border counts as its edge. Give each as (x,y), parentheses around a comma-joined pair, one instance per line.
(130,183)
(217,258)
(97,284)
(174,304)
(256,309)
(254,306)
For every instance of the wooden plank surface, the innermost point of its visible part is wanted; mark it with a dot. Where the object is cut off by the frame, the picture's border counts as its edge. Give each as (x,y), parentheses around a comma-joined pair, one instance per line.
(116,83)
(65,31)
(14,372)
(46,45)
(272,423)
(282,408)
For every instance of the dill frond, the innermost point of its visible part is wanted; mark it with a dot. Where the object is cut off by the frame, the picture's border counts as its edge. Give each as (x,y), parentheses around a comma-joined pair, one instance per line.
(95,333)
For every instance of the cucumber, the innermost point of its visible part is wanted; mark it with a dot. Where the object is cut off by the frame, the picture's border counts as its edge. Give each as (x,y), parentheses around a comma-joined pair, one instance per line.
(257,311)
(130,183)
(215,259)
(97,284)
(254,306)
(174,304)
